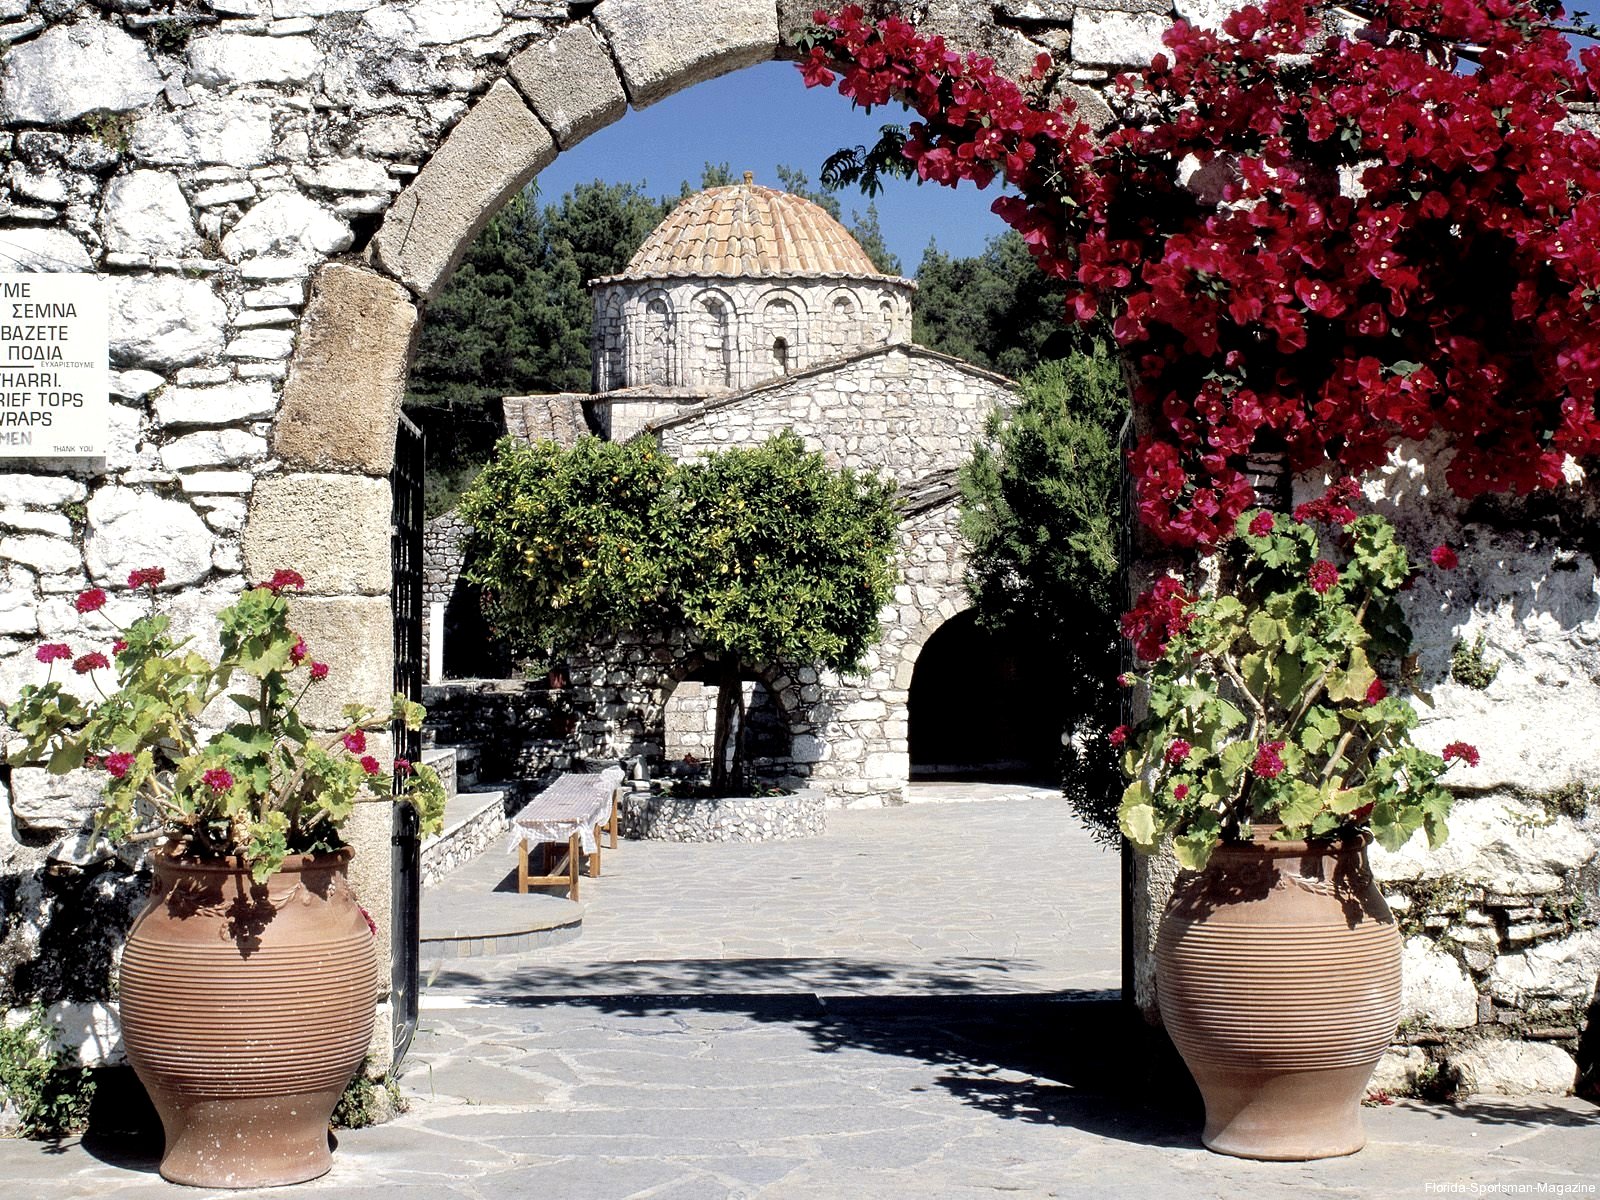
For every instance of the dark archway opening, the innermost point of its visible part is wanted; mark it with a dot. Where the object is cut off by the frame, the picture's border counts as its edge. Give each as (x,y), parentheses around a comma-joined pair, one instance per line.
(982,705)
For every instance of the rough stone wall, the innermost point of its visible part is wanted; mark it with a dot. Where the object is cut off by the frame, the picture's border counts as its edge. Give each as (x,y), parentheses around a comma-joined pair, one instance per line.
(721,334)
(689,725)
(903,412)
(513,729)
(442,557)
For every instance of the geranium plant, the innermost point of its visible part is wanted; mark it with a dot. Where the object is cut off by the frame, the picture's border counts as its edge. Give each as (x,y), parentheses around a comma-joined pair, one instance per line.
(1277,698)
(251,780)
(1319,228)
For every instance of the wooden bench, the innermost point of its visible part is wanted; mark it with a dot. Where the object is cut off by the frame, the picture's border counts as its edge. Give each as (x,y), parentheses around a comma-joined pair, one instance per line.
(565,822)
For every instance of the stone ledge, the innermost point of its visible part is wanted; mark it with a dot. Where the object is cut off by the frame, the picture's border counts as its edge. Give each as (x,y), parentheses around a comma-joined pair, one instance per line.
(725,819)
(504,923)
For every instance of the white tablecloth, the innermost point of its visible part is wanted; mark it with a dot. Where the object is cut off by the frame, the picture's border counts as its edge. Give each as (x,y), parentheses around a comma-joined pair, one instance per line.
(573,804)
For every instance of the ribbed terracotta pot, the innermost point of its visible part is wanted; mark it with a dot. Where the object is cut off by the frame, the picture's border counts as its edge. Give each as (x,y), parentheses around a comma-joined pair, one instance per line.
(246,1009)
(1278,972)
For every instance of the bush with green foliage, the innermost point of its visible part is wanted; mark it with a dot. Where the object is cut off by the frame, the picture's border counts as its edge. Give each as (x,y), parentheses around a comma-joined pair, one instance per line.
(1267,701)
(1041,508)
(260,788)
(44,1084)
(764,555)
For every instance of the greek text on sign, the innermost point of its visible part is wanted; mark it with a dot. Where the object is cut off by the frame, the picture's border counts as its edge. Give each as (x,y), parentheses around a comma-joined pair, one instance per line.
(54,373)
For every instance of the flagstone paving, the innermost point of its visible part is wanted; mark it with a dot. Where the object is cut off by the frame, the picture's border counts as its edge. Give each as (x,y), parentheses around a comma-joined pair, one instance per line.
(919,1005)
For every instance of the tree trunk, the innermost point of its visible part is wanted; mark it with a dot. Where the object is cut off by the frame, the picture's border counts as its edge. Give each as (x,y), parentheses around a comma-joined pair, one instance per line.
(726,780)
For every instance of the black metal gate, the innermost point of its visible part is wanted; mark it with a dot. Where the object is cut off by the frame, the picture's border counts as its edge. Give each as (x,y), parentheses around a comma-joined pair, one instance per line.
(406,599)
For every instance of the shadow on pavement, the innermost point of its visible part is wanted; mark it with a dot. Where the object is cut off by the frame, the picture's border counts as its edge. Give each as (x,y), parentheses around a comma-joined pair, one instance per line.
(1076,1059)
(716,977)
(1486,1110)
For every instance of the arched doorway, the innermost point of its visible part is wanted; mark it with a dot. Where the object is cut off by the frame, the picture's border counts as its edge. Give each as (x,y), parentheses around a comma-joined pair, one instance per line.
(981,707)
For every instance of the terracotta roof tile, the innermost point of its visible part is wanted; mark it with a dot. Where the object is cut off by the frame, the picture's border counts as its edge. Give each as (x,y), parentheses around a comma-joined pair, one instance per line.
(748,231)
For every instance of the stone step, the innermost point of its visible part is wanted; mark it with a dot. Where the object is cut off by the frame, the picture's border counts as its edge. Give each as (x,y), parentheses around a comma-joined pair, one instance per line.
(497,923)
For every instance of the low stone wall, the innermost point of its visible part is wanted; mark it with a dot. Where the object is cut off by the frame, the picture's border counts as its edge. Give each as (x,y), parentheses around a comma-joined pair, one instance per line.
(464,841)
(654,817)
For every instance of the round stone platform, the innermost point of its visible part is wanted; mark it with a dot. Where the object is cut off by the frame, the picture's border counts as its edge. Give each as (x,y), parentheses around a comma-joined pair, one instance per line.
(498,923)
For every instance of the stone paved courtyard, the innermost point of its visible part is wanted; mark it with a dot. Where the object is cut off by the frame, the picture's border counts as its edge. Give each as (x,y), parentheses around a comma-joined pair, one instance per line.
(919,1005)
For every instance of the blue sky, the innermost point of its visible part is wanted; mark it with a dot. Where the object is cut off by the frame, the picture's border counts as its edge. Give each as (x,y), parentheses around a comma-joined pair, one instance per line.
(754,120)
(757,118)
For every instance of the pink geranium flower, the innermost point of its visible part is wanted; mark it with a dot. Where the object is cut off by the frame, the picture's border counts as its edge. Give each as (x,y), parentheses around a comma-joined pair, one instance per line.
(1324,576)
(150,577)
(1269,761)
(90,601)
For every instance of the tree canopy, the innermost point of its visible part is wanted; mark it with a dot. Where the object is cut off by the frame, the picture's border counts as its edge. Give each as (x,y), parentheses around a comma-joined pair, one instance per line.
(764,555)
(1041,508)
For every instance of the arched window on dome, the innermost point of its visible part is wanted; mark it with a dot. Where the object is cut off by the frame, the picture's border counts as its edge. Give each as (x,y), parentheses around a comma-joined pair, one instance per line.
(781,320)
(844,315)
(610,344)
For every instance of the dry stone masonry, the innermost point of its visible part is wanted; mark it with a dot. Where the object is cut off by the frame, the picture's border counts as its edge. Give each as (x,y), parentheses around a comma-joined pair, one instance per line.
(276,188)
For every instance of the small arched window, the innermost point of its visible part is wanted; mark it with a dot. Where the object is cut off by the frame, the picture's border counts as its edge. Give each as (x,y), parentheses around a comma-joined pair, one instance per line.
(780,355)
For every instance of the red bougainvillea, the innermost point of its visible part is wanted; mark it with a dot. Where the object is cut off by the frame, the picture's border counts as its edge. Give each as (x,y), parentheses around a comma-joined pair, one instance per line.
(1325,234)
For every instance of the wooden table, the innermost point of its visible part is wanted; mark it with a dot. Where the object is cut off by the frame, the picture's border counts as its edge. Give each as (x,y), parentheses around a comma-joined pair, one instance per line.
(564,822)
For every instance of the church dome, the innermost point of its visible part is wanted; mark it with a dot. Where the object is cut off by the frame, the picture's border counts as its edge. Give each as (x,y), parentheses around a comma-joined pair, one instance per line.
(748,232)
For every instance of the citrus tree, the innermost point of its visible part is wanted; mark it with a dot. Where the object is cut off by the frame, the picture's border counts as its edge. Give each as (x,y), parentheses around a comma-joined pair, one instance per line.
(764,555)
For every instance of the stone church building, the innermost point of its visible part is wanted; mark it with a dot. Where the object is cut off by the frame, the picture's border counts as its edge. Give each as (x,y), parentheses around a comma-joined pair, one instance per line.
(746,312)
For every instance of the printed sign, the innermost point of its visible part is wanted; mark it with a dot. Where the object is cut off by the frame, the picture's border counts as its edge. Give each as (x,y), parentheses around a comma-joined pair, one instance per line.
(54,371)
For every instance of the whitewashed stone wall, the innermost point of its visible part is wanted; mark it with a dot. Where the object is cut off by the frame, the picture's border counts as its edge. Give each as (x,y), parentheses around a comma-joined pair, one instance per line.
(1503,921)
(724,334)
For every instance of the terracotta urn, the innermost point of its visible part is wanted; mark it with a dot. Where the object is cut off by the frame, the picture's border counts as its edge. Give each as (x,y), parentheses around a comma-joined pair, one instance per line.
(1278,973)
(246,1009)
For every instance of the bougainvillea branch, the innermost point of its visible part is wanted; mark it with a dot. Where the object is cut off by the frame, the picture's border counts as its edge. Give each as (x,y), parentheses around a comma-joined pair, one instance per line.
(1324,237)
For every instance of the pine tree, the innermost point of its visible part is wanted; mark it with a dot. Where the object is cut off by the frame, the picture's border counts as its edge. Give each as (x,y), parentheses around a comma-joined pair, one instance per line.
(1041,509)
